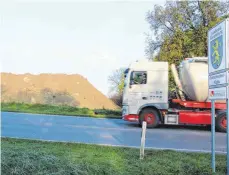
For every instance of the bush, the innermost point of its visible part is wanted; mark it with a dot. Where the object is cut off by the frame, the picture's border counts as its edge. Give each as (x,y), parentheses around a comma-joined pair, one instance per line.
(107,112)
(58,98)
(58,110)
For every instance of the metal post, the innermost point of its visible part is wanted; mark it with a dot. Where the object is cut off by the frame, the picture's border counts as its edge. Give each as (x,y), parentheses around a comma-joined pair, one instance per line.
(213,134)
(227,138)
(143,137)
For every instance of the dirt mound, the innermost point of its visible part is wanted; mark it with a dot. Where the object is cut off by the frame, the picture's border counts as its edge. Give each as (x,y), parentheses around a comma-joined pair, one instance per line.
(72,90)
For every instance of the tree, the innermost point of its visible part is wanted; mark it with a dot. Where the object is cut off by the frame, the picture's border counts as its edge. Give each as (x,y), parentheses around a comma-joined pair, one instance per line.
(116,80)
(117,99)
(181,29)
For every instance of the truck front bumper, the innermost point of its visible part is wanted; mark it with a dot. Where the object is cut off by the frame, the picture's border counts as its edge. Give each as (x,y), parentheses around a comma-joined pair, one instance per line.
(131,118)
(128,117)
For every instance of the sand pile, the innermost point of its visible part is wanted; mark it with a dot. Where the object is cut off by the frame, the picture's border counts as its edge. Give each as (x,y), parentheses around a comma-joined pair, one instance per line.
(72,90)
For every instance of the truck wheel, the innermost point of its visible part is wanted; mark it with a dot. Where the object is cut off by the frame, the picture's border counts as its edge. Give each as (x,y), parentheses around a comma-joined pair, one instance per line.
(221,122)
(150,116)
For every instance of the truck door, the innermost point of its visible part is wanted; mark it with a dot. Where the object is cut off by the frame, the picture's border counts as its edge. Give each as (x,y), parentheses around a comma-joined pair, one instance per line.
(148,87)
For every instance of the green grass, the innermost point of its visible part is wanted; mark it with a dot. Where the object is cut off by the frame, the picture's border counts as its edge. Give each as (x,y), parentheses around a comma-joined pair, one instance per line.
(59,110)
(26,157)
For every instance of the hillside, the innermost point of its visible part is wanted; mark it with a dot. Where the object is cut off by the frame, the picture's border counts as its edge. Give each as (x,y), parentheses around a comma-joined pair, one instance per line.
(72,90)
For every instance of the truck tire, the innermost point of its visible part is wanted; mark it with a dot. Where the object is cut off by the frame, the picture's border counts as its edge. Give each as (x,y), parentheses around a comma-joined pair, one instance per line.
(221,122)
(150,116)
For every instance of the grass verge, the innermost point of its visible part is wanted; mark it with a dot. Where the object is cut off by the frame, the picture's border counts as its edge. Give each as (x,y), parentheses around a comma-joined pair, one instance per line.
(59,110)
(26,157)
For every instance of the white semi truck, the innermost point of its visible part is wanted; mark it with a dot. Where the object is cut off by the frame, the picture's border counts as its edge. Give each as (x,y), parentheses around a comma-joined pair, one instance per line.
(146,95)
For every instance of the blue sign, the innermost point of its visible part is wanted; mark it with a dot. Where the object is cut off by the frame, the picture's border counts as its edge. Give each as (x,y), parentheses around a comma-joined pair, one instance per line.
(216,52)
(218,63)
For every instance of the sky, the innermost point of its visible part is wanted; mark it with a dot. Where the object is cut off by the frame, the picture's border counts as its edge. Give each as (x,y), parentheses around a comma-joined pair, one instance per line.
(91,38)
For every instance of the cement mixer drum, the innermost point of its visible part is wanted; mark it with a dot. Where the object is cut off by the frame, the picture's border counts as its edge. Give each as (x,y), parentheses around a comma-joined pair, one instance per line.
(193,74)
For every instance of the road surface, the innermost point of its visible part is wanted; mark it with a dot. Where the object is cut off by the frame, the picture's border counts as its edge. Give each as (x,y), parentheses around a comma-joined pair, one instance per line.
(114,132)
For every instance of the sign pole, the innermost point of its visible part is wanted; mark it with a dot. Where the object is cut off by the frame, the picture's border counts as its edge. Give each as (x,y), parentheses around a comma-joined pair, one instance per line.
(213,134)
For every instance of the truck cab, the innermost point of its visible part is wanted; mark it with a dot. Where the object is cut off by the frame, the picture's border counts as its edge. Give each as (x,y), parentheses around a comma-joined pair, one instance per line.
(146,85)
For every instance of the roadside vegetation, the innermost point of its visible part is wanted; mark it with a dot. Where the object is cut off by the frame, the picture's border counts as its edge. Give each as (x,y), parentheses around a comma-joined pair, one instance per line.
(59,110)
(116,80)
(36,157)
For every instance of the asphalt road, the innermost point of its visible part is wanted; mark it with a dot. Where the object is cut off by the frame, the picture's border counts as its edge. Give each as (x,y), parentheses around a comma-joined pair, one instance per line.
(114,132)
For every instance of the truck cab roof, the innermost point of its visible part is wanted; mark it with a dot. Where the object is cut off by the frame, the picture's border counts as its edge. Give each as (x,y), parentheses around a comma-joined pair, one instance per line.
(148,65)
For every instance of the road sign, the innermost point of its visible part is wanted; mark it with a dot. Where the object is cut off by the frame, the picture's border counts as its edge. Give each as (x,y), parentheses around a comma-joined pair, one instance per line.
(217,48)
(219,93)
(217,61)
(218,78)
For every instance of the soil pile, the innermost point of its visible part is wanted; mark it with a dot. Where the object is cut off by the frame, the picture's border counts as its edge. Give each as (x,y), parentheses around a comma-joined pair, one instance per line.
(72,90)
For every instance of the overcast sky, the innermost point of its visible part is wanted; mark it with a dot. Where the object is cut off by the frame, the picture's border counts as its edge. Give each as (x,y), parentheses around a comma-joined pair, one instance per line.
(91,38)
